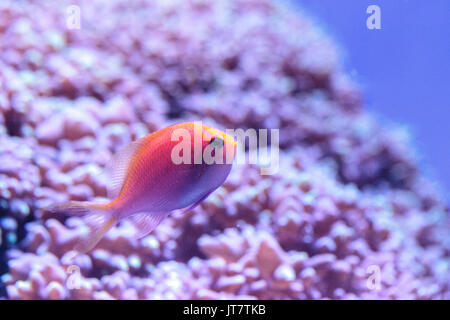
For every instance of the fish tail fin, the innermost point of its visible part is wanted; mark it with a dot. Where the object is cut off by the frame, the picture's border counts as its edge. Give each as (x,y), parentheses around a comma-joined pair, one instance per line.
(98,218)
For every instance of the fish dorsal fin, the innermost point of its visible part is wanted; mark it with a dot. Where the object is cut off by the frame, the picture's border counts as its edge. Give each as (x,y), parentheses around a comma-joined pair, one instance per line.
(117,168)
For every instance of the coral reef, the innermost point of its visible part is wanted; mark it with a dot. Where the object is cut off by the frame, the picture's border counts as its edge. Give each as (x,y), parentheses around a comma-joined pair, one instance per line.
(348,203)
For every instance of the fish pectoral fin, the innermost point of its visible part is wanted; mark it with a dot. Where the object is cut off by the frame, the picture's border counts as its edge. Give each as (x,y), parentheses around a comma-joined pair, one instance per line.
(145,222)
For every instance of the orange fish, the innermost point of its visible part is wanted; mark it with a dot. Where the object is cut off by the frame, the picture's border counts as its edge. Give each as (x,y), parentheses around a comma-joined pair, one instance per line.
(164,171)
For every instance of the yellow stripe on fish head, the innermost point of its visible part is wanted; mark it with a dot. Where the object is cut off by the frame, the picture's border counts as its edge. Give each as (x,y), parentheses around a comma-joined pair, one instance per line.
(210,132)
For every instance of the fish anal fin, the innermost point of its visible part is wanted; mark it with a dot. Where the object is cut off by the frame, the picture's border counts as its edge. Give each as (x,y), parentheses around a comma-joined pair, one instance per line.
(145,222)
(117,168)
(97,225)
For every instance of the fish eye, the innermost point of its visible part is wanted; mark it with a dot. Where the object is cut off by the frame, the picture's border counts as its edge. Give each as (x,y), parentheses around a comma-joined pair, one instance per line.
(216,142)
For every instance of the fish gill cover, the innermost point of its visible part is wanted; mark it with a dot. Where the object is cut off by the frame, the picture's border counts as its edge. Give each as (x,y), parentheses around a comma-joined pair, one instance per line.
(349,202)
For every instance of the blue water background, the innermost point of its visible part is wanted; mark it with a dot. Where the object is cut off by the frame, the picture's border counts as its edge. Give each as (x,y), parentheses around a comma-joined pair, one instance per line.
(404,68)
